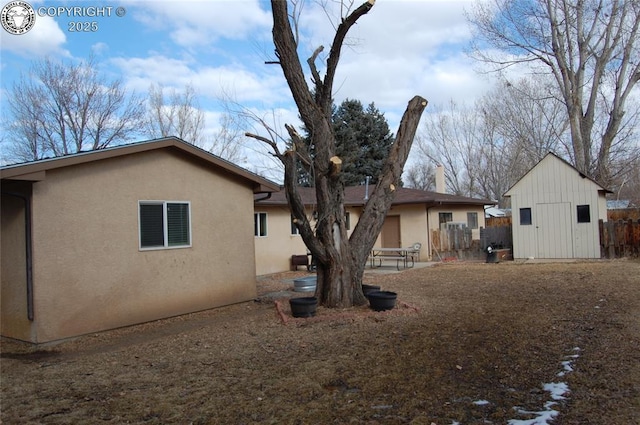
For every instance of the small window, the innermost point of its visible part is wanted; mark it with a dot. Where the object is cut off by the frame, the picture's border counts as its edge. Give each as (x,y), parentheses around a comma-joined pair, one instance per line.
(472,220)
(260,224)
(445,217)
(584,214)
(164,224)
(525,216)
(294,228)
(347,220)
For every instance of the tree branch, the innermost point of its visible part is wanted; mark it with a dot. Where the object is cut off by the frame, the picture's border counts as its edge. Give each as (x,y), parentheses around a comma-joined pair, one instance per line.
(336,46)
(317,80)
(269,142)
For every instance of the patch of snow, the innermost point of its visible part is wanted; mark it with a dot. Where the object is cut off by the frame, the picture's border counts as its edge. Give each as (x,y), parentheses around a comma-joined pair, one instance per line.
(568,364)
(481,402)
(542,418)
(557,391)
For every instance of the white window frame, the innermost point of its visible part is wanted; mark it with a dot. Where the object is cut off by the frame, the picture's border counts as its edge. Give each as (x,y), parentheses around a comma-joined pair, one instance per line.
(294,229)
(165,226)
(475,224)
(266,222)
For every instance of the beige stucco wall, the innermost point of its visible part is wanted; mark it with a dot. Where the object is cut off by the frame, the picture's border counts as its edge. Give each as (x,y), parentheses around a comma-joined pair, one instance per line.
(89,273)
(274,251)
(459,214)
(413,225)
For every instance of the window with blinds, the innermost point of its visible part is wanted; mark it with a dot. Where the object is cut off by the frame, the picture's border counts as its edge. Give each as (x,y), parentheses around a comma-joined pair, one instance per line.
(164,224)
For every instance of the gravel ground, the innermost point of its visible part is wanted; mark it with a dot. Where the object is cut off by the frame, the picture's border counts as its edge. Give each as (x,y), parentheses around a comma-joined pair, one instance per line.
(468,343)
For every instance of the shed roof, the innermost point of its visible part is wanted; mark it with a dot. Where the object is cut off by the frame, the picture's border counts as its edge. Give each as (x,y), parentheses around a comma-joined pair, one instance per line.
(355,196)
(556,157)
(36,170)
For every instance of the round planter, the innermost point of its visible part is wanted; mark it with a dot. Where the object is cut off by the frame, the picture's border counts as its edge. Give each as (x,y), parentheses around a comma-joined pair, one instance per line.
(382,300)
(303,307)
(305,284)
(369,288)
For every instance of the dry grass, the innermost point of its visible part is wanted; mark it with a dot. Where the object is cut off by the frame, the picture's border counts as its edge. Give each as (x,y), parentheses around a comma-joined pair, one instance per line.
(463,332)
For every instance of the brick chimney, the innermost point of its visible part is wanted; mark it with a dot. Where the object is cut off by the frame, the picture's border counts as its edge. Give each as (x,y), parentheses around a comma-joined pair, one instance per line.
(440,184)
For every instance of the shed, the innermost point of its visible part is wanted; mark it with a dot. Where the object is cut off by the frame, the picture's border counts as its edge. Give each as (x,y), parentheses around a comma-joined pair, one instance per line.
(555,210)
(119,236)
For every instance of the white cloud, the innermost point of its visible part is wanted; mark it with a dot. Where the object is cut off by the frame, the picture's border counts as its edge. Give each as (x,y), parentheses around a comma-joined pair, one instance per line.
(213,82)
(45,38)
(398,50)
(195,23)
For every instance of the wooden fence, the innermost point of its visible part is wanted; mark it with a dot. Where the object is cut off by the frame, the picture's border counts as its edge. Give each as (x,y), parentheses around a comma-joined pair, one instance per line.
(623,214)
(620,238)
(497,221)
(454,242)
(457,242)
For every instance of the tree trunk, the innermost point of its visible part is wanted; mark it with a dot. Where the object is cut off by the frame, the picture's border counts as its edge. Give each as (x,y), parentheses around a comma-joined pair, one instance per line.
(340,274)
(340,261)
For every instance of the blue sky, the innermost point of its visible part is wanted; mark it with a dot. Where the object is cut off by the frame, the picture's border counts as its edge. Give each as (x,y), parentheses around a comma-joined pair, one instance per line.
(400,49)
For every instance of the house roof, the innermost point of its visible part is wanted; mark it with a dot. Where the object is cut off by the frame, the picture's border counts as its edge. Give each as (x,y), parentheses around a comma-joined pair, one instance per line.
(355,196)
(36,170)
(551,154)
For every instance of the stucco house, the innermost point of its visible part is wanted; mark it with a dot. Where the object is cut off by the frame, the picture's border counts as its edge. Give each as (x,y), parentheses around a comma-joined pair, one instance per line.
(413,214)
(555,212)
(124,235)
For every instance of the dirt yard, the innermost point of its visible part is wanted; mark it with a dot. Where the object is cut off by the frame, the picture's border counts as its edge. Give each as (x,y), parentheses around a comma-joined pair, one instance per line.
(468,343)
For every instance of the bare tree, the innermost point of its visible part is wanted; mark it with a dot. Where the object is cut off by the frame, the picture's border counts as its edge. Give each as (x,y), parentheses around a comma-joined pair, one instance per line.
(487,147)
(522,122)
(527,114)
(62,108)
(421,175)
(453,138)
(176,113)
(341,260)
(591,49)
(227,141)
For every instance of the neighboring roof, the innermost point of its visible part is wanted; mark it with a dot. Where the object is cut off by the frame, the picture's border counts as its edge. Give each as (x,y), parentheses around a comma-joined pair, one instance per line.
(355,196)
(36,170)
(551,154)
(495,212)
(618,204)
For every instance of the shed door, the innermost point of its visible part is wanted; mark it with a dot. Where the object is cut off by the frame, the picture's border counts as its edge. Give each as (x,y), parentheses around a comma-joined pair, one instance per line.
(391,232)
(553,230)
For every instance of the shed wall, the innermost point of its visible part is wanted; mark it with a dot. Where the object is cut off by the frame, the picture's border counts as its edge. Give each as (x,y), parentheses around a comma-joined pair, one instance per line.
(553,190)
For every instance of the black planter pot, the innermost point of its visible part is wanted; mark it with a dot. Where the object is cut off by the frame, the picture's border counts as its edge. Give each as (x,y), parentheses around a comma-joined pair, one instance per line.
(382,300)
(369,288)
(304,306)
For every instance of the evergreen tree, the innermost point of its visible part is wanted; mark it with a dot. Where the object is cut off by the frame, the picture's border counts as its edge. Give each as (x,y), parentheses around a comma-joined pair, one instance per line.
(363,139)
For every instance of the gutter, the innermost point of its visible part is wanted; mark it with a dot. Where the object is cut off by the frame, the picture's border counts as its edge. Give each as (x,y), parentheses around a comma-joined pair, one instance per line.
(29,249)
(267,196)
